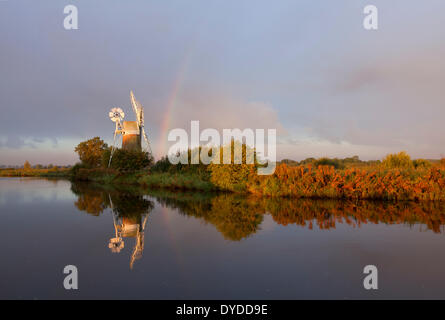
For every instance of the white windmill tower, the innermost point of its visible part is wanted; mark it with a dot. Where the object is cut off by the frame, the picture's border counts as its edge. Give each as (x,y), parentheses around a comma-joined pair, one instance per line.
(131,130)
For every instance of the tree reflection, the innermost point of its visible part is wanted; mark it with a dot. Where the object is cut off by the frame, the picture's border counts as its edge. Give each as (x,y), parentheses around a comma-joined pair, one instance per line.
(237,217)
(91,200)
(327,213)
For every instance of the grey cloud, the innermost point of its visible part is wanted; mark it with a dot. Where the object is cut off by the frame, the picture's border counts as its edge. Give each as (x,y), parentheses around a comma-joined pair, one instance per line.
(15,142)
(240,65)
(391,101)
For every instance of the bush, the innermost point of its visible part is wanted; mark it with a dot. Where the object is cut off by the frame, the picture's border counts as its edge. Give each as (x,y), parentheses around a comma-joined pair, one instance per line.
(400,160)
(126,160)
(102,175)
(76,168)
(422,163)
(329,162)
(231,177)
(162,165)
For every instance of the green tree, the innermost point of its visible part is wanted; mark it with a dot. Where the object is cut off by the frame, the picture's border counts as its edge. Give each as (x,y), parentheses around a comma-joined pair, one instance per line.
(90,152)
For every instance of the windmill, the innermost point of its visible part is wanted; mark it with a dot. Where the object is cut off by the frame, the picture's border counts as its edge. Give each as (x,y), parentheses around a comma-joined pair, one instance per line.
(131,131)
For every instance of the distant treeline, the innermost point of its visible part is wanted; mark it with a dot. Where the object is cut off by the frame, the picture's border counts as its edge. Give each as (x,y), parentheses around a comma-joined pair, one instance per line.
(353,162)
(36,166)
(28,170)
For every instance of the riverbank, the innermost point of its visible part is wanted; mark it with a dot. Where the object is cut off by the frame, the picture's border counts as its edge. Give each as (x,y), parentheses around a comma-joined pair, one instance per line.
(43,173)
(324,182)
(161,180)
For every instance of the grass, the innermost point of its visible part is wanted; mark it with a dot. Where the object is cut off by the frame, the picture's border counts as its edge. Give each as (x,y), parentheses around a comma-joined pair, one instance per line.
(164,180)
(182,181)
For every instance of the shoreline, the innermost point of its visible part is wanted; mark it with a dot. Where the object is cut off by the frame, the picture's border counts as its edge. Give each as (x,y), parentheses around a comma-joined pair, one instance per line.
(287,182)
(35,173)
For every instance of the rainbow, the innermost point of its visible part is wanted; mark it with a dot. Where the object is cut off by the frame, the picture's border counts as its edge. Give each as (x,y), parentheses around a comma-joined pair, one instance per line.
(171,101)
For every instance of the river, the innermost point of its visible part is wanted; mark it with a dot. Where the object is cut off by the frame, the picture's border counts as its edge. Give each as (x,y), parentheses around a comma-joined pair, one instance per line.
(130,243)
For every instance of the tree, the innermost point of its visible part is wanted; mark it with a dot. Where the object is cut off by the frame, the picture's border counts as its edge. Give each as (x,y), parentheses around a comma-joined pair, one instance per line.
(27,165)
(90,151)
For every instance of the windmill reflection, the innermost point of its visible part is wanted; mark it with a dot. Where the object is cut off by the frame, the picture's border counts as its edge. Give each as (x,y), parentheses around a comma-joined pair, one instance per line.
(130,211)
(129,226)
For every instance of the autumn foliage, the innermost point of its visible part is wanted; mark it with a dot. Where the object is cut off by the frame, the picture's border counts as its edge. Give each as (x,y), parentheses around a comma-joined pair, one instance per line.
(90,152)
(327,182)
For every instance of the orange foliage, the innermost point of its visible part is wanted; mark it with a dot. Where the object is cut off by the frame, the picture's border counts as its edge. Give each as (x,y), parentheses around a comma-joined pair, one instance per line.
(327,182)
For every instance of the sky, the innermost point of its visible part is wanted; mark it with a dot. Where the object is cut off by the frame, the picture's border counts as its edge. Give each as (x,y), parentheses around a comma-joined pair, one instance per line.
(307,68)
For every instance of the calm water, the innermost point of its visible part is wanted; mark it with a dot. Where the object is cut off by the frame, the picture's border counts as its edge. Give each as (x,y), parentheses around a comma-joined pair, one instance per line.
(161,245)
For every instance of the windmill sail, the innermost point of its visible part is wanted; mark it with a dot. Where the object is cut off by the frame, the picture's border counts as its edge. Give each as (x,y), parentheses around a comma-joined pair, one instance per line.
(139,111)
(146,141)
(137,108)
